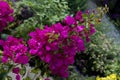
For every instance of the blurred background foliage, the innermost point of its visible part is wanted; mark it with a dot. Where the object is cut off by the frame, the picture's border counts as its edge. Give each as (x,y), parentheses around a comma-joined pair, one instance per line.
(76,5)
(114,10)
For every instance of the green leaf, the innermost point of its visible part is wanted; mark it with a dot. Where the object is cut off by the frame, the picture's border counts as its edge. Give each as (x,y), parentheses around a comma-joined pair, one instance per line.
(35,71)
(27,78)
(3,75)
(22,70)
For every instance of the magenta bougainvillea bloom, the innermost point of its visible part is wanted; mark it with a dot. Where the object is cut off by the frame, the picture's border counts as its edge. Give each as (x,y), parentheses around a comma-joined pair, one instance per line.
(47,79)
(81,28)
(59,65)
(58,44)
(6,14)
(16,70)
(18,77)
(55,46)
(78,15)
(69,20)
(15,50)
(92,29)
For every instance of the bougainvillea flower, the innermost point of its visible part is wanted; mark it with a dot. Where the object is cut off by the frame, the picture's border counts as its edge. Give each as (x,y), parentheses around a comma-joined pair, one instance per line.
(18,77)
(16,70)
(81,28)
(78,15)
(55,45)
(6,14)
(15,50)
(92,29)
(69,20)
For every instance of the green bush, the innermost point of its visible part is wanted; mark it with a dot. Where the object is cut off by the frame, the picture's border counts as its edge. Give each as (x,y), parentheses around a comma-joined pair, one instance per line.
(44,12)
(47,11)
(101,57)
(75,75)
(76,5)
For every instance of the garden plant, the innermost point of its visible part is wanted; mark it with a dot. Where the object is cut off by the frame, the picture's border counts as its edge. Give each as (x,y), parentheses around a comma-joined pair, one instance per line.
(54,42)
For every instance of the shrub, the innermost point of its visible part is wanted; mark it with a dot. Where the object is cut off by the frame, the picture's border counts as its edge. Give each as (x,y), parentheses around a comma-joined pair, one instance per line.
(101,57)
(30,14)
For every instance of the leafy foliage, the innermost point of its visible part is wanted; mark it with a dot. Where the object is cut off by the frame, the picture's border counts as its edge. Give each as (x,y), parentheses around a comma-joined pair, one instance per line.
(23,29)
(117,23)
(101,57)
(75,75)
(114,11)
(76,5)
(4,70)
(47,11)
(44,12)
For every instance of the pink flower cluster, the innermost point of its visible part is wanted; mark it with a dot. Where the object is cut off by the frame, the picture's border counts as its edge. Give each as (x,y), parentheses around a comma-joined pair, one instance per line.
(58,44)
(16,70)
(5,14)
(15,50)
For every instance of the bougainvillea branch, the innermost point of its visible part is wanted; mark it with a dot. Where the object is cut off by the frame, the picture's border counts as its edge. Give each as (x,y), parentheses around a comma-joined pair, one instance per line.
(55,45)
(6,14)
